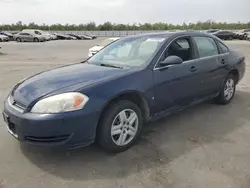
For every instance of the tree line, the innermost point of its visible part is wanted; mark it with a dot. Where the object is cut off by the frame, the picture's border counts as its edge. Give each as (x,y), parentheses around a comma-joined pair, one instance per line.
(108,26)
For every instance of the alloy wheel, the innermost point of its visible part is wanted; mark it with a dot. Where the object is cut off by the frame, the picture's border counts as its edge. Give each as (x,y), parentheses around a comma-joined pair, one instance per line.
(229,89)
(124,127)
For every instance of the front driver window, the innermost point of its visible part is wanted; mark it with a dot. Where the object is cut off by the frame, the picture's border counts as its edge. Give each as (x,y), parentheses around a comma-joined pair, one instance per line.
(181,48)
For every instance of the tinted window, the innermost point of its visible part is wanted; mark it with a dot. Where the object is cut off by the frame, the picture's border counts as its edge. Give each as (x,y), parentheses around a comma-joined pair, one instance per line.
(37,33)
(206,46)
(223,47)
(24,34)
(181,48)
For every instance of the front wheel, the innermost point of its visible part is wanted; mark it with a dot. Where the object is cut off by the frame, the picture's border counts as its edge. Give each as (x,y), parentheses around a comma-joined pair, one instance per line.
(36,40)
(18,39)
(228,90)
(120,126)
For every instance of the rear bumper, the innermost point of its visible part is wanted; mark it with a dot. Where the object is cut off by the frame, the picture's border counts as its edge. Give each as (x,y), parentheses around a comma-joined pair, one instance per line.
(72,129)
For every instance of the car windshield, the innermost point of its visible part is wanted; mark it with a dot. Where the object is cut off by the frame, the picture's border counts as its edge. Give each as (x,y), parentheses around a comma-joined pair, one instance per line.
(107,41)
(128,52)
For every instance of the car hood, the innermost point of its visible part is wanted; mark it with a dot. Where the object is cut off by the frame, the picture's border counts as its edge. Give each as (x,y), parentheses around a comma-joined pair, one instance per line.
(96,48)
(51,81)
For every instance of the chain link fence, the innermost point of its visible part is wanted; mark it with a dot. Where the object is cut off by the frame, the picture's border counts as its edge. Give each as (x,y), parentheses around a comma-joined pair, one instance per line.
(106,33)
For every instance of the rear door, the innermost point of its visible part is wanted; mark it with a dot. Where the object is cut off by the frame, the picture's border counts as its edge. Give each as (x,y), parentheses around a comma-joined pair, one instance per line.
(211,66)
(25,36)
(30,37)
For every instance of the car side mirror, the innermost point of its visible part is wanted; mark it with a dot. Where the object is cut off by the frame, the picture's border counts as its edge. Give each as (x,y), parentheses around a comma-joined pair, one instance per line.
(171,60)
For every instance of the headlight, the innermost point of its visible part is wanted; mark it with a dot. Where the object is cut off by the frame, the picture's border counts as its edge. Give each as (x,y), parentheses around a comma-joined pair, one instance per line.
(60,103)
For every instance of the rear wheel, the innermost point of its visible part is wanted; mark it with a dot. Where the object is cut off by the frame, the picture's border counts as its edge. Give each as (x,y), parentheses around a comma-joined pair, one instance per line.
(36,40)
(228,90)
(120,126)
(1,40)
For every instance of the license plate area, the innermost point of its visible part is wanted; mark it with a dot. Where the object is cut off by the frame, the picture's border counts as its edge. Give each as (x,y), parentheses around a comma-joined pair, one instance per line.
(10,126)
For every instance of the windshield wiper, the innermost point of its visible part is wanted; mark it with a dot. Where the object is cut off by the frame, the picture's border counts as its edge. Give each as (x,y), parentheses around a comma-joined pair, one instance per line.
(113,66)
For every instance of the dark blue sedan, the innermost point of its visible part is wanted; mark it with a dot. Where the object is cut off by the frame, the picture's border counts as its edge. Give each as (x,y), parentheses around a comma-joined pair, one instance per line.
(108,98)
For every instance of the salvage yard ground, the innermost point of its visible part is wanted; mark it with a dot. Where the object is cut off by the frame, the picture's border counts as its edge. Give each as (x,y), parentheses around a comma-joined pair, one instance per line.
(206,146)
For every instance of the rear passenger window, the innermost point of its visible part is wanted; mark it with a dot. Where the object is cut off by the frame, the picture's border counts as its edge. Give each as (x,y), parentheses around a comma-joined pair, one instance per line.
(223,47)
(206,46)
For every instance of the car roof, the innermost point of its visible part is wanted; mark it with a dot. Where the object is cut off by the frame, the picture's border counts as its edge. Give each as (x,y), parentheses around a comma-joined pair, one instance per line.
(172,34)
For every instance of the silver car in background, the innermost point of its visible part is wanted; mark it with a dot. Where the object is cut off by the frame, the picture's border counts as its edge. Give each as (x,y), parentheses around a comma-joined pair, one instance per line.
(28,37)
(46,35)
(4,38)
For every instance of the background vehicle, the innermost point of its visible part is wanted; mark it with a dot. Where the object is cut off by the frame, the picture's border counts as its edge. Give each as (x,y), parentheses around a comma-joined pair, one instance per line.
(225,35)
(93,36)
(46,35)
(211,30)
(242,34)
(100,46)
(86,37)
(248,36)
(4,38)
(29,37)
(8,34)
(64,37)
(131,81)
(76,36)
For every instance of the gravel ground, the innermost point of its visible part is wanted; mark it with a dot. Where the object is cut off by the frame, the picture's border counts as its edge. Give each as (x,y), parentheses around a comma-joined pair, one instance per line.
(206,146)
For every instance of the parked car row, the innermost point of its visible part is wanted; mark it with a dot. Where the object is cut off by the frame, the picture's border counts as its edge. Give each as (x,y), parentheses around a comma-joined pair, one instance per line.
(230,35)
(31,35)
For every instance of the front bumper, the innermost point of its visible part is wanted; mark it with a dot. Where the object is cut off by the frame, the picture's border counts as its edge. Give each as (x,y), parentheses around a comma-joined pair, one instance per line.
(71,129)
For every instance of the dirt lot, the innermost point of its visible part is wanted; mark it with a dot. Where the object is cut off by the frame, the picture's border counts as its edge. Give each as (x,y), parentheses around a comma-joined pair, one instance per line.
(202,147)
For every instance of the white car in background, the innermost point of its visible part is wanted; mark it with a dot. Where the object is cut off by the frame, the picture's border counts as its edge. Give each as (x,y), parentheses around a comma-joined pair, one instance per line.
(4,38)
(95,49)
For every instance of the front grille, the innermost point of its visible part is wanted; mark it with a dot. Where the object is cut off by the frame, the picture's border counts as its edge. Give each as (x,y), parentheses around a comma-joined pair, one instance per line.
(12,127)
(53,139)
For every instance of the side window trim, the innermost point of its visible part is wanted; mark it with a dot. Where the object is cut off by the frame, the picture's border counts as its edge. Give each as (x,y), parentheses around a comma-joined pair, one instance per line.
(167,46)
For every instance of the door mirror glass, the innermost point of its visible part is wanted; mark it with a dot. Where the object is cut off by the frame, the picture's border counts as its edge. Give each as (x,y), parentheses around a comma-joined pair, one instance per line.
(171,60)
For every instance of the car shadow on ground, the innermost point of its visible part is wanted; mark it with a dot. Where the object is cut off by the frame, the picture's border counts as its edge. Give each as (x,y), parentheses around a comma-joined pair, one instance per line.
(161,142)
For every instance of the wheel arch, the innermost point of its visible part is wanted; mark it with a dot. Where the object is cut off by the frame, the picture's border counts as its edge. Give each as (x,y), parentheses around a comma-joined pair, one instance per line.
(235,72)
(133,96)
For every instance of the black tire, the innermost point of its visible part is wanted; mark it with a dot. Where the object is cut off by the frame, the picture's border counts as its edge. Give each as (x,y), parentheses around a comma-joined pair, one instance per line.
(104,137)
(36,40)
(1,40)
(222,98)
(18,39)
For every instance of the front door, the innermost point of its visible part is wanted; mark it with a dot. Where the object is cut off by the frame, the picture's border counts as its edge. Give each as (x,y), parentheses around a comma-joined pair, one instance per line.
(176,85)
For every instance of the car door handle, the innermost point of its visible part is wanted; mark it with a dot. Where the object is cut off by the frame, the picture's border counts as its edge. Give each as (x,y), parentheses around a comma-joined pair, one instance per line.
(223,61)
(193,69)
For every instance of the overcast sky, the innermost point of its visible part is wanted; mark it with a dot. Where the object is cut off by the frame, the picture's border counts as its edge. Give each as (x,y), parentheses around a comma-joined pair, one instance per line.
(123,11)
